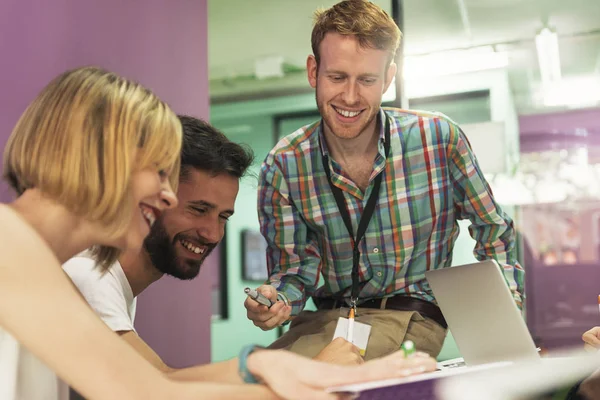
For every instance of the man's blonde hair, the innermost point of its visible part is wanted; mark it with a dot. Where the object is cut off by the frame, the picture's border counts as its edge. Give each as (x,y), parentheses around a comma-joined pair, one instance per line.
(82,138)
(367,22)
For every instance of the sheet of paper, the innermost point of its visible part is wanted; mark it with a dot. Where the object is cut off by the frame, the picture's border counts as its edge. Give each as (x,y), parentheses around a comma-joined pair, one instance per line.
(522,379)
(360,337)
(359,387)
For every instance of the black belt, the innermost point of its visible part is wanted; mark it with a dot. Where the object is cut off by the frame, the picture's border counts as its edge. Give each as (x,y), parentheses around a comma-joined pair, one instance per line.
(399,303)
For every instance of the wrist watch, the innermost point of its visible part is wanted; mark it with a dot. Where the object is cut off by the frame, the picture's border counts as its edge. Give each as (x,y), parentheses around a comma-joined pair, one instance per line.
(281,296)
(245,374)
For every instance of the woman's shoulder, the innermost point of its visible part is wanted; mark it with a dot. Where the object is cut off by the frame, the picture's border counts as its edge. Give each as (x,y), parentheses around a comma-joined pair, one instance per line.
(18,238)
(13,224)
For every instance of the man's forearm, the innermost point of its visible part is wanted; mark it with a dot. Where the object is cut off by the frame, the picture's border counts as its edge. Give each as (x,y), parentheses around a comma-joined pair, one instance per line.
(223,372)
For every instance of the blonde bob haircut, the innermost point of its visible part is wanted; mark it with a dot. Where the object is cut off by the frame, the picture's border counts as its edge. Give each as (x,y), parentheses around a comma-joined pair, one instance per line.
(82,138)
(367,22)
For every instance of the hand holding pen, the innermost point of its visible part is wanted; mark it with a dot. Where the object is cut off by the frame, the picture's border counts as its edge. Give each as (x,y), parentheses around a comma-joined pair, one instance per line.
(258,297)
(262,314)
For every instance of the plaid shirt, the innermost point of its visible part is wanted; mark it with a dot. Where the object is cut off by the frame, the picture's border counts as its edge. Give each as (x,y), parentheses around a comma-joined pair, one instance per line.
(431,179)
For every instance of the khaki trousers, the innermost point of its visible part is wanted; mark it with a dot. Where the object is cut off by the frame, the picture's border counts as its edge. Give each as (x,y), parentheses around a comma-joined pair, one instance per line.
(311,331)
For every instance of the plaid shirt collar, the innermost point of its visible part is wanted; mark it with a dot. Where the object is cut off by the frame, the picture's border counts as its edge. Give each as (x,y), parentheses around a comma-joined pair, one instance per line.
(381,115)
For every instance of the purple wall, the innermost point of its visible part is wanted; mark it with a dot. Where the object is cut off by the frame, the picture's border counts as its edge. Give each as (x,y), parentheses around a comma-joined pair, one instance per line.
(163,45)
(563,130)
(561,299)
(560,122)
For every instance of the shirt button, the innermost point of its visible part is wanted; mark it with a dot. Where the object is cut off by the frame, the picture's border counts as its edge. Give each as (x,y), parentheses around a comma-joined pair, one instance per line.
(379,273)
(375,250)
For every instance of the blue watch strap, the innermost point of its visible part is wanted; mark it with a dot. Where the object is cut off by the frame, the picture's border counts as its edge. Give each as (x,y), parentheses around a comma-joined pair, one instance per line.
(245,374)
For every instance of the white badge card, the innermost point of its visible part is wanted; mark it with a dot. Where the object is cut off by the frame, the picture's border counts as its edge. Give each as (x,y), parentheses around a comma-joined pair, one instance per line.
(353,331)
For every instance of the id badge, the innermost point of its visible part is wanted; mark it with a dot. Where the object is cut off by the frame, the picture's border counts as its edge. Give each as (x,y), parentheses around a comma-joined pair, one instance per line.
(358,329)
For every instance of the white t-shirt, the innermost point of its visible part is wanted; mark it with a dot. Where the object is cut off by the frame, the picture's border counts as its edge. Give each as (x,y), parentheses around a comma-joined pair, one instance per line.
(108,293)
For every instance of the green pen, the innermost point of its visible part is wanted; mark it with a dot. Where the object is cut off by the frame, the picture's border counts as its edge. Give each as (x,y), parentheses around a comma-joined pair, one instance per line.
(408,347)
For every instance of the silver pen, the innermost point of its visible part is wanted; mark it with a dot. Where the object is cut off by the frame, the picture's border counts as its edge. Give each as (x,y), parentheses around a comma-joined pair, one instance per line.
(258,297)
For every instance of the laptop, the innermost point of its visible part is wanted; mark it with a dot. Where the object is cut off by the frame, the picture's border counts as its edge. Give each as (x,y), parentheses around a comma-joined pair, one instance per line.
(481,313)
(503,362)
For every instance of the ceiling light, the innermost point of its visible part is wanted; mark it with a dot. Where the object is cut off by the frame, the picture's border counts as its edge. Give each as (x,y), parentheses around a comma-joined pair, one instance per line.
(546,43)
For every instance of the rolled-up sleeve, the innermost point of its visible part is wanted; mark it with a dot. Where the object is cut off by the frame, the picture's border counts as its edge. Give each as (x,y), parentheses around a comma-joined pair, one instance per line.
(293,258)
(492,229)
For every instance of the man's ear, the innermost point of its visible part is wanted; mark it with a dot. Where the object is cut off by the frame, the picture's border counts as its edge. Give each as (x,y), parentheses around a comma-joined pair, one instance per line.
(389,76)
(311,70)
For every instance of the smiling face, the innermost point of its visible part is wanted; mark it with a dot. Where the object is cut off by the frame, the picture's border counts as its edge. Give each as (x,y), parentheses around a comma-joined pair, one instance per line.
(152,195)
(350,82)
(184,236)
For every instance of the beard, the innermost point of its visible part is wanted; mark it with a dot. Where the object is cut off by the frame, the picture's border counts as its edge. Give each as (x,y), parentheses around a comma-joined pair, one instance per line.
(163,255)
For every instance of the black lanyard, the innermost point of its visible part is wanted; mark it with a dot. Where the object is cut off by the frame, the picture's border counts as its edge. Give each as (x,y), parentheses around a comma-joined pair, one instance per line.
(365,217)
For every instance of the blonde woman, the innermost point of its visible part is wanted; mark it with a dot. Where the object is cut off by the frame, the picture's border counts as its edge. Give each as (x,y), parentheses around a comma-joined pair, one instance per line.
(92,159)
(89,158)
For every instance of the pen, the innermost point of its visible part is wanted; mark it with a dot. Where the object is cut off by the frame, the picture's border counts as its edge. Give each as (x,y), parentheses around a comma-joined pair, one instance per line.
(408,347)
(350,335)
(258,297)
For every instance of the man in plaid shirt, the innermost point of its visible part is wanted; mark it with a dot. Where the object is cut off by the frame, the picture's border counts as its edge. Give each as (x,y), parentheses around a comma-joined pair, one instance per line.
(315,187)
